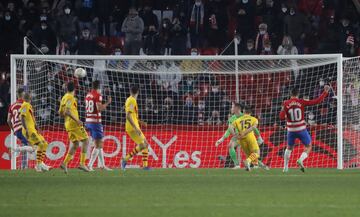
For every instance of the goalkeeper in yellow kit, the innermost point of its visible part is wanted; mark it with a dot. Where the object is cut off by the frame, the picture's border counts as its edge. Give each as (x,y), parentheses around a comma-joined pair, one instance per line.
(243,128)
(74,127)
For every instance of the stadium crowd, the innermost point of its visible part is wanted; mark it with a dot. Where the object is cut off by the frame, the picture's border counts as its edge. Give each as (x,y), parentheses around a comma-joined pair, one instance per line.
(183,27)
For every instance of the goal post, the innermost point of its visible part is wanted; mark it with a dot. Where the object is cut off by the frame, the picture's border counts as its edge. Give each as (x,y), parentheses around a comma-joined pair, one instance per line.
(186,101)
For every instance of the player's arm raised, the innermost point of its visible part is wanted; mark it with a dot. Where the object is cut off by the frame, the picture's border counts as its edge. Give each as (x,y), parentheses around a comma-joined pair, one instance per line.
(319,99)
(102,106)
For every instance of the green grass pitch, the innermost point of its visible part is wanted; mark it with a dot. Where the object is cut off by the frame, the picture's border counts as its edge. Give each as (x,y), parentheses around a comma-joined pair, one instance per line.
(180,192)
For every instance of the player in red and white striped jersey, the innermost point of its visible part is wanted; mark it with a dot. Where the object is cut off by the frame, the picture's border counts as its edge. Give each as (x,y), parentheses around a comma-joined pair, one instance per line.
(14,122)
(293,110)
(94,106)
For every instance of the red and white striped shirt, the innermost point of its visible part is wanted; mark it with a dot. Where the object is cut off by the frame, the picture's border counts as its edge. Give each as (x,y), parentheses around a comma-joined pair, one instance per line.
(294,112)
(93,115)
(14,113)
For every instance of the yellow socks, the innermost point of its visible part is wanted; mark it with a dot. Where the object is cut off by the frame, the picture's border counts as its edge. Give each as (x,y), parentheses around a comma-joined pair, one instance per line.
(132,153)
(68,158)
(253,157)
(82,158)
(145,156)
(38,155)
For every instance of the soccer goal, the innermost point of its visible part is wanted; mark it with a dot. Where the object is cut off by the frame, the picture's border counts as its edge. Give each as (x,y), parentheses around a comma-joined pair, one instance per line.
(186,102)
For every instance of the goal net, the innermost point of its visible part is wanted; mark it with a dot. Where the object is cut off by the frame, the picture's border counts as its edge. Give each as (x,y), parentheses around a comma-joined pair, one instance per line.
(186,102)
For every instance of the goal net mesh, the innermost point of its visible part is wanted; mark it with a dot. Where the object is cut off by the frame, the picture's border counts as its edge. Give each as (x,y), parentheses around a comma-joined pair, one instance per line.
(186,104)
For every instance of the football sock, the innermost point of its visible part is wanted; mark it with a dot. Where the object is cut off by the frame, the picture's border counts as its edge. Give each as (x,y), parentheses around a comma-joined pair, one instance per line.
(82,158)
(101,157)
(93,156)
(253,158)
(145,156)
(303,156)
(43,151)
(132,153)
(232,153)
(24,148)
(287,158)
(68,158)
(38,155)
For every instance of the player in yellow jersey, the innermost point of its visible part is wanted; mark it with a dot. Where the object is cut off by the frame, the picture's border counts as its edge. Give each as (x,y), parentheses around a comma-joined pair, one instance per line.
(30,130)
(132,127)
(243,129)
(74,127)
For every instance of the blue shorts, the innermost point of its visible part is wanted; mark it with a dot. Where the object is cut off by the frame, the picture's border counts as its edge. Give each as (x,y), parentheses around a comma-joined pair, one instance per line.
(304,137)
(21,137)
(96,130)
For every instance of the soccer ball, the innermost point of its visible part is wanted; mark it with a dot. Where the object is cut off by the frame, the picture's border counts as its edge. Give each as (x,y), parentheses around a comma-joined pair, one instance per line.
(80,73)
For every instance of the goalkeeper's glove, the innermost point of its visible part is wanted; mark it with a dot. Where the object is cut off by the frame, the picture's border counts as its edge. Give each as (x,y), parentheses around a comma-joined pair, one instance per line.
(260,140)
(221,140)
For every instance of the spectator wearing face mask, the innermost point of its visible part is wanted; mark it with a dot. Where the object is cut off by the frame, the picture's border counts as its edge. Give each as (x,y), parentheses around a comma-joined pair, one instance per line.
(197,24)
(45,39)
(86,44)
(133,27)
(166,36)
(66,28)
(261,37)
(9,34)
(152,44)
(297,26)
(178,39)
(267,48)
(287,47)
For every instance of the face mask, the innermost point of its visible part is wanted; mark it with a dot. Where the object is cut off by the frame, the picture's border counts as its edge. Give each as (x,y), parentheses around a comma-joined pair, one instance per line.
(345,23)
(250,47)
(189,82)
(321,83)
(284,10)
(197,3)
(245,1)
(67,11)
(262,32)
(7,17)
(117,53)
(267,49)
(86,35)
(215,90)
(164,25)
(43,27)
(43,18)
(292,12)
(193,53)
